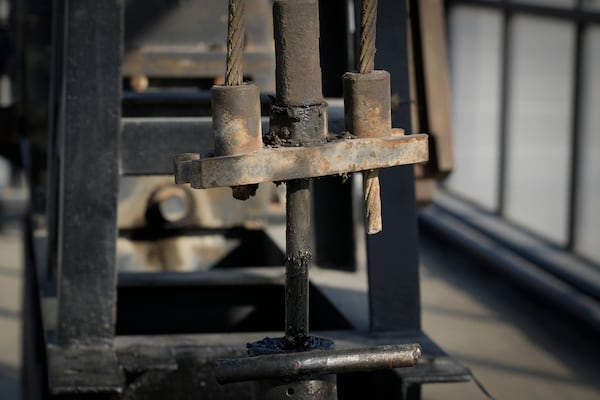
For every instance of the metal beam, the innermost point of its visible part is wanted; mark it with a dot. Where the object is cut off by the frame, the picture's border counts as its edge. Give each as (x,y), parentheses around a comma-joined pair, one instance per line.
(393,260)
(284,163)
(88,151)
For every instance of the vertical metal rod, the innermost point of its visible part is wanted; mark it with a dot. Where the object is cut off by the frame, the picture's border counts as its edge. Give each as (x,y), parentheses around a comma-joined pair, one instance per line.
(298,81)
(298,257)
(297,60)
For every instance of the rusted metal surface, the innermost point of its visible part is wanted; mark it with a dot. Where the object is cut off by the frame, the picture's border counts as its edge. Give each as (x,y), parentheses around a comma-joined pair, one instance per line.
(298,69)
(298,118)
(318,362)
(297,125)
(284,163)
(236,106)
(236,119)
(368,114)
(299,115)
(367,103)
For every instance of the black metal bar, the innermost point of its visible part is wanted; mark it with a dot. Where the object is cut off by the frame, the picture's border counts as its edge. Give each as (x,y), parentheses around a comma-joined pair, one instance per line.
(335,239)
(504,99)
(393,261)
(89,158)
(52,202)
(574,181)
(575,14)
(334,45)
(298,256)
(315,363)
(298,82)
(148,145)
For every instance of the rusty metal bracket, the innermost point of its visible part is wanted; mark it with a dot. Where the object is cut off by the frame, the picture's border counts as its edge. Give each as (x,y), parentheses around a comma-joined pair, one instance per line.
(285,163)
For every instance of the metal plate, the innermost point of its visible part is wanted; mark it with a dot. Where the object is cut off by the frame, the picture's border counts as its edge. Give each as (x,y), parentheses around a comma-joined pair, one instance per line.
(285,163)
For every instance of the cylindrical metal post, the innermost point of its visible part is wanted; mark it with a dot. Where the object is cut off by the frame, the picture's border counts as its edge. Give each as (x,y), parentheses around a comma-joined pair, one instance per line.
(367,98)
(298,118)
(298,257)
(236,119)
(298,68)
(299,115)
(317,363)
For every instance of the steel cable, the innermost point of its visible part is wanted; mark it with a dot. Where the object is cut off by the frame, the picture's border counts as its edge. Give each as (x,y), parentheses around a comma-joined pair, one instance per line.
(371,187)
(235,42)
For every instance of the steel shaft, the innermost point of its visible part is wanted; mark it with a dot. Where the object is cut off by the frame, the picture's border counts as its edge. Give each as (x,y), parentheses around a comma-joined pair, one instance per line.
(316,363)
(298,79)
(298,257)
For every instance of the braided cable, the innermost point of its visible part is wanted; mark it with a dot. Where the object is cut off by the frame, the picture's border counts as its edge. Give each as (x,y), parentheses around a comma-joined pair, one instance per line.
(366,64)
(368,32)
(372,201)
(235,42)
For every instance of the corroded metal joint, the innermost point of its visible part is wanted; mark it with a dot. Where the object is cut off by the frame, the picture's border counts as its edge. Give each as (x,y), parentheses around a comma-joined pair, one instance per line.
(367,103)
(297,125)
(286,163)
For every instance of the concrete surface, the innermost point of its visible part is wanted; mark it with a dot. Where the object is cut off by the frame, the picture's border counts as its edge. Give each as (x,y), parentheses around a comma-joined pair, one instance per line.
(514,346)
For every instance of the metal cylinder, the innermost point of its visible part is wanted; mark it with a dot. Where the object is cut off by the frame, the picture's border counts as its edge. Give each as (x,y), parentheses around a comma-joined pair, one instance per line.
(323,388)
(298,125)
(294,366)
(297,61)
(367,103)
(298,257)
(236,119)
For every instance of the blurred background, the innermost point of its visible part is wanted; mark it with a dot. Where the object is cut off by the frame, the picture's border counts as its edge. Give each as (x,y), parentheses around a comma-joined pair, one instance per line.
(509,240)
